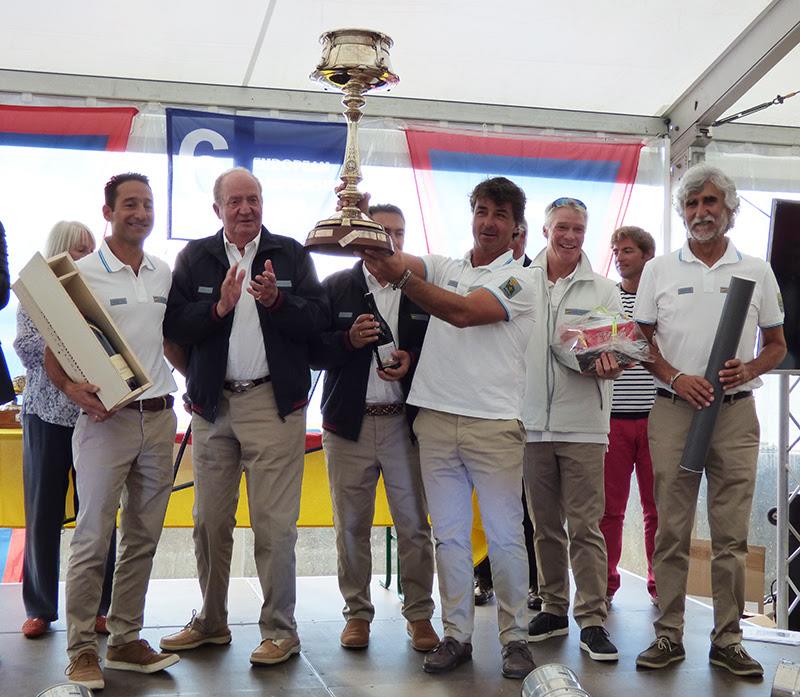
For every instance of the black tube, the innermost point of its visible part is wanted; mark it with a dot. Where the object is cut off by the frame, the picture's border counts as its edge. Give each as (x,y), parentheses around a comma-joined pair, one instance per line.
(729,332)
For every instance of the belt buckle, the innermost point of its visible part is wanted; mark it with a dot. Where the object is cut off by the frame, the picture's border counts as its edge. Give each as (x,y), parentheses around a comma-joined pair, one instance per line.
(241,385)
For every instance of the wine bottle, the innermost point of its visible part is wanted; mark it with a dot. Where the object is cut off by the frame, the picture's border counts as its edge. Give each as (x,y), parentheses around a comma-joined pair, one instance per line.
(385,345)
(117,360)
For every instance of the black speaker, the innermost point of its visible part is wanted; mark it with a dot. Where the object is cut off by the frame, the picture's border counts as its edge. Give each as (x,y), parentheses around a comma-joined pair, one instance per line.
(784,256)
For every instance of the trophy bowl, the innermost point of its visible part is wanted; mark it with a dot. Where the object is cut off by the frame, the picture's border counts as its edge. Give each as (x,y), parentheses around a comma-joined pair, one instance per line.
(353,61)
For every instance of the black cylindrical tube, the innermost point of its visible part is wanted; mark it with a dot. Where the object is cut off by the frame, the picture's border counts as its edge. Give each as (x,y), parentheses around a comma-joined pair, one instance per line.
(729,332)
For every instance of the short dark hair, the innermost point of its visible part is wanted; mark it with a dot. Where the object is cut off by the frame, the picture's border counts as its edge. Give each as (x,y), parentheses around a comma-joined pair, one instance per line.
(114,183)
(500,190)
(385,208)
(640,237)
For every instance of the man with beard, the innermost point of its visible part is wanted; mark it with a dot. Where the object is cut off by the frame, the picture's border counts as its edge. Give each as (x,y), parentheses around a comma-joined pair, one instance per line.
(679,304)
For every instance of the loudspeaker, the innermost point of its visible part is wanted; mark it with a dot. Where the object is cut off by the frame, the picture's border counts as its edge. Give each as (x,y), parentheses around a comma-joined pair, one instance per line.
(784,256)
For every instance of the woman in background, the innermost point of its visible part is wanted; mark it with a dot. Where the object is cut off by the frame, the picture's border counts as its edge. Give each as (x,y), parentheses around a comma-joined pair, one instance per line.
(6,386)
(48,419)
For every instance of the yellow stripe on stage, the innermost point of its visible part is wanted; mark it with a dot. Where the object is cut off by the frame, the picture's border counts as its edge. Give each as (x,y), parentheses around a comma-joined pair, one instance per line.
(315,499)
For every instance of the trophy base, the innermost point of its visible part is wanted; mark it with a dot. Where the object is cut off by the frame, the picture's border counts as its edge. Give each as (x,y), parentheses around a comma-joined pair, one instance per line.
(348,237)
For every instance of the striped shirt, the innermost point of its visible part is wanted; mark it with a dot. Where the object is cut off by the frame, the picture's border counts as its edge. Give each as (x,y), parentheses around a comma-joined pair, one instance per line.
(634,390)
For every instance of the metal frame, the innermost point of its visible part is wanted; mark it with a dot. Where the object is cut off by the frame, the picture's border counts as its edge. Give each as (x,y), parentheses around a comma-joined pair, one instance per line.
(789,380)
(266,99)
(751,55)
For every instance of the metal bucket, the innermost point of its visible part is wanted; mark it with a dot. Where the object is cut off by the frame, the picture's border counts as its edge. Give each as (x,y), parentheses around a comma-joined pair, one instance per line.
(787,680)
(553,680)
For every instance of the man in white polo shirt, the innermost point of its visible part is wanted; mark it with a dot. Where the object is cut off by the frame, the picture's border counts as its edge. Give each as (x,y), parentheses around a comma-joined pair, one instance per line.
(122,457)
(468,388)
(678,306)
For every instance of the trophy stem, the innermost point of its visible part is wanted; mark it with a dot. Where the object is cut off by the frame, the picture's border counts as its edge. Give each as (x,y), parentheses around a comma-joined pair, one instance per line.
(349,197)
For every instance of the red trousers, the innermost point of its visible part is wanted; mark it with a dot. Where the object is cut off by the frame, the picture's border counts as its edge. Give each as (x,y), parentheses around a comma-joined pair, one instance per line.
(628,451)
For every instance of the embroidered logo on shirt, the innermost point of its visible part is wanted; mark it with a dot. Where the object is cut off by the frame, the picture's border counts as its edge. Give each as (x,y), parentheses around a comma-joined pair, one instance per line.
(452,283)
(159,299)
(345,315)
(283,284)
(575,311)
(511,287)
(685,290)
(423,318)
(118,301)
(205,290)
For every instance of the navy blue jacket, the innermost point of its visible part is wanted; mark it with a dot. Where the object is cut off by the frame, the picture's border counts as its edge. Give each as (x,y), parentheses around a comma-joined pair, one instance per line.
(347,368)
(298,315)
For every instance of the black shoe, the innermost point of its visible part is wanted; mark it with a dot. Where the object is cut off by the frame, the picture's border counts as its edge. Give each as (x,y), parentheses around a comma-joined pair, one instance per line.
(660,654)
(517,660)
(449,654)
(735,659)
(546,625)
(534,601)
(595,641)
(483,594)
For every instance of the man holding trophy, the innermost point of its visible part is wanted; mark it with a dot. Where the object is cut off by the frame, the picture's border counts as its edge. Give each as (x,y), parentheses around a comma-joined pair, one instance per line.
(469,430)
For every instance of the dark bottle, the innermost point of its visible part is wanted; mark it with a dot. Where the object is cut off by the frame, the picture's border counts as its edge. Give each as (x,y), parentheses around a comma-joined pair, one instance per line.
(385,345)
(116,359)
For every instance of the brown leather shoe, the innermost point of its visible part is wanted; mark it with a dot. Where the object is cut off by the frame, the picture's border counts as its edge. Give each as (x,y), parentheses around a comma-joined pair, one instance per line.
(34,627)
(355,634)
(85,670)
(423,635)
(272,651)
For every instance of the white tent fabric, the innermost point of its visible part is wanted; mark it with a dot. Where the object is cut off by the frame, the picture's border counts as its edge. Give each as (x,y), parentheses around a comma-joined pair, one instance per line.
(629,56)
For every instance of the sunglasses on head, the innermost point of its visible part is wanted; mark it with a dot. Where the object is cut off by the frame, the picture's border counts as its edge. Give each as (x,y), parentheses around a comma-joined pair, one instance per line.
(567,201)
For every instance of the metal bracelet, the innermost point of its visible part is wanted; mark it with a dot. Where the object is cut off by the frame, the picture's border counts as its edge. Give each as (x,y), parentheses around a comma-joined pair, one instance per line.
(400,284)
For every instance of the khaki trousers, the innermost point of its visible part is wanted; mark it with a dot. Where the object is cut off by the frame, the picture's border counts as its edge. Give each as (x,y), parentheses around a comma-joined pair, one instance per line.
(457,454)
(383,446)
(564,484)
(730,475)
(248,436)
(125,461)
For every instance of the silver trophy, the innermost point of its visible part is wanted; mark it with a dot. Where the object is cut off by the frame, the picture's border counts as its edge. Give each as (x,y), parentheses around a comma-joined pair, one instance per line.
(354,61)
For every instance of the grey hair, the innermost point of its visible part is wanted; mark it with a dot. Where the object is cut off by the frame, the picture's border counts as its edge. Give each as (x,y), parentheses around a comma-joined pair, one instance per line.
(696,178)
(64,235)
(550,211)
(221,177)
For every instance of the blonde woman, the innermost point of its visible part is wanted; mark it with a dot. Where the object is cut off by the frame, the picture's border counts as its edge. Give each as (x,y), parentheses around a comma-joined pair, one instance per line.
(48,418)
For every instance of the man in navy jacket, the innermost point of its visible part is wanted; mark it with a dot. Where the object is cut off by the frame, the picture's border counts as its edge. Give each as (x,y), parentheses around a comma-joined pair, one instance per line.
(367,433)
(245,304)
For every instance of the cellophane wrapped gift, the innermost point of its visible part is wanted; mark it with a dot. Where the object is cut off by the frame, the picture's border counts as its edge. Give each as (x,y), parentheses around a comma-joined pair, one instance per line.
(579,343)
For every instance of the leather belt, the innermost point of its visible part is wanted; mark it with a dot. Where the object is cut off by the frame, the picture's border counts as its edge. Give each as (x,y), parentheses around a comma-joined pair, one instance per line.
(244,385)
(726,399)
(153,404)
(384,409)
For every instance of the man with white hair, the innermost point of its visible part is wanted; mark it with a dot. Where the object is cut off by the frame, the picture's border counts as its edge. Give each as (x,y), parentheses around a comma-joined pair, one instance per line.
(245,302)
(678,304)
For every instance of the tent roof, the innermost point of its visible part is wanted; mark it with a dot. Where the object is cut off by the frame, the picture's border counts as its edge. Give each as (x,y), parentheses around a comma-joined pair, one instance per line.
(629,56)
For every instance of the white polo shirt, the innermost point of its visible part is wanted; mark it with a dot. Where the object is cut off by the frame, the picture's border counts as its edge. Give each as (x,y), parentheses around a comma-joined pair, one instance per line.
(683,297)
(477,371)
(137,304)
